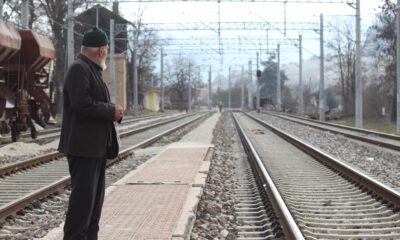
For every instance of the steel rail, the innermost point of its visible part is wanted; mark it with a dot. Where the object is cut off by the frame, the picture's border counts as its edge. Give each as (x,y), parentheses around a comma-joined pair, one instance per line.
(13,167)
(361,130)
(16,205)
(42,134)
(288,223)
(349,135)
(379,188)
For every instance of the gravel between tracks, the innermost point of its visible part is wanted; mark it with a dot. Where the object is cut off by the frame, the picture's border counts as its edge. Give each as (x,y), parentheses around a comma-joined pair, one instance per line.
(377,162)
(216,218)
(16,151)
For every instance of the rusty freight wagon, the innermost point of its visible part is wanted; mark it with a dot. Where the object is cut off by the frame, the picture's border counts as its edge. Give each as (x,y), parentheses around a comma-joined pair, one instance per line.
(25,86)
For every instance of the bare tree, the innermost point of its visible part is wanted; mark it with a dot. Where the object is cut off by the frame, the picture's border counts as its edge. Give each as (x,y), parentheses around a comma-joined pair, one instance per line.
(385,40)
(177,78)
(11,11)
(145,43)
(343,56)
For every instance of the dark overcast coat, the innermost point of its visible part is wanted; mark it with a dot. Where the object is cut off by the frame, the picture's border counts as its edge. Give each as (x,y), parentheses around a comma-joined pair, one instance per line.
(88,115)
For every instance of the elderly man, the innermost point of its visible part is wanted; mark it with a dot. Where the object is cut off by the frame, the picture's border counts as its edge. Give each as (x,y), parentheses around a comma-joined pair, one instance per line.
(88,135)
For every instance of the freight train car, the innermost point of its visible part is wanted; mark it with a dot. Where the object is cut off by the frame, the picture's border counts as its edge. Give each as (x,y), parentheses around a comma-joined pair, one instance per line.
(26,95)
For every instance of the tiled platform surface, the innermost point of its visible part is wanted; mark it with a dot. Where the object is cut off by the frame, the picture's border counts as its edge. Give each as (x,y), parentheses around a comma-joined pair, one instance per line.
(157,200)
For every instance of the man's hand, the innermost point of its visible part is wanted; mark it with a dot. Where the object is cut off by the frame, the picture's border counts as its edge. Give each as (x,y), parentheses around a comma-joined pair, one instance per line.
(119,112)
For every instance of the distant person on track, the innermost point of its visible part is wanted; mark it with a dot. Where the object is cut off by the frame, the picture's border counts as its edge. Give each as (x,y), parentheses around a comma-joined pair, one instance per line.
(88,135)
(220,106)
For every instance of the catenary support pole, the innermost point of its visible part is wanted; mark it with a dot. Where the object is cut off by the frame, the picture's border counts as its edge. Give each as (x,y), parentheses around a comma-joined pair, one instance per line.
(229,88)
(189,91)
(70,33)
(250,86)
(112,63)
(25,14)
(278,80)
(135,79)
(209,90)
(1,9)
(258,87)
(322,72)
(242,102)
(398,68)
(359,85)
(301,92)
(162,81)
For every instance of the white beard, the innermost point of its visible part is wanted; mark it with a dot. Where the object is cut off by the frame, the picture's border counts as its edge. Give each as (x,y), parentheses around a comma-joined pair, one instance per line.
(103,64)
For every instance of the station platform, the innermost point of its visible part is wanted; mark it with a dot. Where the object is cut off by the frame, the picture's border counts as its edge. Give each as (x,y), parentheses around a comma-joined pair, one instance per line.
(158,200)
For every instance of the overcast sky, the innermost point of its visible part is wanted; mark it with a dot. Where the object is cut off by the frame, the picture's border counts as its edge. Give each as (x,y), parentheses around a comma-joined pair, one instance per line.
(181,12)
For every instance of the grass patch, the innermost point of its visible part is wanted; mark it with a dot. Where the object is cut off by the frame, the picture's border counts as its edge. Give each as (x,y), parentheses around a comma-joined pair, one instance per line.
(375,125)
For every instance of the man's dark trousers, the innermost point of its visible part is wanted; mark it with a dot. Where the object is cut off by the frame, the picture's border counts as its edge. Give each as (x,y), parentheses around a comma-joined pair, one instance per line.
(86,199)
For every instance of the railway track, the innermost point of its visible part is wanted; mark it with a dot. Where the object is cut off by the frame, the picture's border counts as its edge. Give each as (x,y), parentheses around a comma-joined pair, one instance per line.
(52,133)
(254,212)
(315,195)
(20,187)
(9,168)
(386,140)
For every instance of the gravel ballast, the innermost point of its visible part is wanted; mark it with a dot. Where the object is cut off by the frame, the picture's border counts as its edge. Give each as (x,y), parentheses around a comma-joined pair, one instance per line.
(215,217)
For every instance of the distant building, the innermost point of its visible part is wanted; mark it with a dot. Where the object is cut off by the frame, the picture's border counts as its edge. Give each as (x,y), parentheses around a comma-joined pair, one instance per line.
(121,79)
(102,17)
(151,99)
(202,99)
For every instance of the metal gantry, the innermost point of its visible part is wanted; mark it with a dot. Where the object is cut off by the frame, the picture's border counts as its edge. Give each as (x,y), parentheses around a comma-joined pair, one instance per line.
(219,1)
(230,26)
(239,41)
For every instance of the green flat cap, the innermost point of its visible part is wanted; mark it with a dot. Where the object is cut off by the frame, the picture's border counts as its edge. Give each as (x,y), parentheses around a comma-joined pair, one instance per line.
(95,37)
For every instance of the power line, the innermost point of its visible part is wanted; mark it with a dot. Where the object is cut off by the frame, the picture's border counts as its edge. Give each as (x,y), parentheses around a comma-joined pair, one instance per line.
(231,26)
(273,1)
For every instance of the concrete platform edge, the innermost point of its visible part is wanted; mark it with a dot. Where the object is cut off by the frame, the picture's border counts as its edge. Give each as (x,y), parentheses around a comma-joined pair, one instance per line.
(188,216)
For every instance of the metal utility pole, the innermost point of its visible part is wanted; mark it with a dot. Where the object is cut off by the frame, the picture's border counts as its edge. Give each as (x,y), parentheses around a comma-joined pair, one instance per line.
(258,86)
(25,14)
(242,102)
(359,85)
(112,63)
(162,80)
(322,72)
(278,80)
(398,67)
(229,88)
(135,79)
(267,44)
(301,92)
(1,9)
(190,92)
(250,86)
(209,90)
(284,13)
(97,16)
(70,33)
